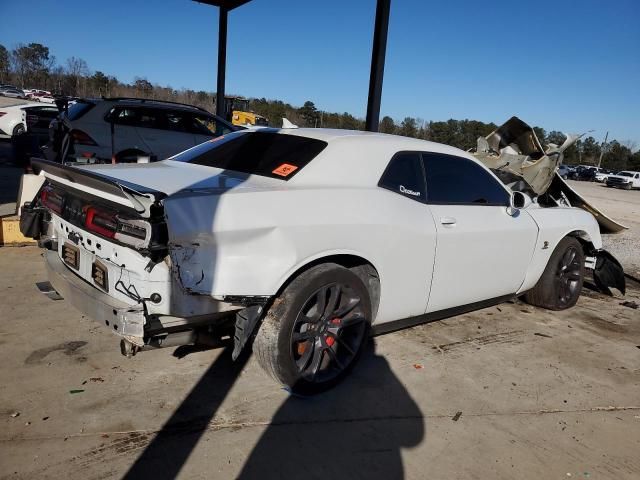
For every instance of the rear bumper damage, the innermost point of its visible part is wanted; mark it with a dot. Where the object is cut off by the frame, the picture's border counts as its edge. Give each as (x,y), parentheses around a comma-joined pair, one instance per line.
(140,330)
(124,320)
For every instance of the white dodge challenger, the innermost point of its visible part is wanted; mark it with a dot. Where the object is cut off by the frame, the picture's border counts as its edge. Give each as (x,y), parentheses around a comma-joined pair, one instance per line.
(303,241)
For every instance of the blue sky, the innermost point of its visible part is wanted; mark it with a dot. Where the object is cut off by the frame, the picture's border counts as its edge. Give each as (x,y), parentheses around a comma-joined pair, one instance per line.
(564,65)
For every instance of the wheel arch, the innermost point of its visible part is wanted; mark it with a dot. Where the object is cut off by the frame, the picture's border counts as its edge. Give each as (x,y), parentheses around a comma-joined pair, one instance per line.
(361,266)
(586,240)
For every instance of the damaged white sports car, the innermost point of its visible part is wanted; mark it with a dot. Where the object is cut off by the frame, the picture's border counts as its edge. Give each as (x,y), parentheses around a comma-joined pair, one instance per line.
(303,241)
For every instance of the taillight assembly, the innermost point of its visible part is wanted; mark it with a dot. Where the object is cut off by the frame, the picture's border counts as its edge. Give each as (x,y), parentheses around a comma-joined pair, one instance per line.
(82,138)
(132,232)
(51,199)
(100,222)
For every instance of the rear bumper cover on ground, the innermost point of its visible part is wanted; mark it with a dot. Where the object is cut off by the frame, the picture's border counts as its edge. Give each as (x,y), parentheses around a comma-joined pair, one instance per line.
(124,320)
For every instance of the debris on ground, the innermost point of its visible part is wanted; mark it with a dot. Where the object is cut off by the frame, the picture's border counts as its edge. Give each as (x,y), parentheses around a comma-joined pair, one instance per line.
(457,416)
(45,418)
(417,366)
(543,335)
(75,391)
(15,414)
(630,304)
(94,380)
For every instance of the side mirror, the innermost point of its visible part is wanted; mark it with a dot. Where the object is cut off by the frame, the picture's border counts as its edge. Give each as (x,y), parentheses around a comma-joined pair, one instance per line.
(517,201)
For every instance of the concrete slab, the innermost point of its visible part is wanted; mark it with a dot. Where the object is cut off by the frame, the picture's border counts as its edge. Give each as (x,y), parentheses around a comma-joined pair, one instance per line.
(541,395)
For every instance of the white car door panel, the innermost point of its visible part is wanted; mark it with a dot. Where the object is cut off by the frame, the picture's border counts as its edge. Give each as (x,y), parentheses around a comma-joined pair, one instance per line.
(482,252)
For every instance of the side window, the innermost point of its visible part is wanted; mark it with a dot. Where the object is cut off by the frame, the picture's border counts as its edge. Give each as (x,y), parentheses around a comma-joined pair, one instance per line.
(177,122)
(404,175)
(457,180)
(206,125)
(152,118)
(123,116)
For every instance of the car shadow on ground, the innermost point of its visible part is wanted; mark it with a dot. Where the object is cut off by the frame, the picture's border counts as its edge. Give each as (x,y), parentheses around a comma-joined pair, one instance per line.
(356,430)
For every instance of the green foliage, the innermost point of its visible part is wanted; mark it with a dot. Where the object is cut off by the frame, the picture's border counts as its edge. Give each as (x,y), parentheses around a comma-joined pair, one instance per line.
(144,86)
(32,63)
(387,125)
(408,127)
(4,64)
(309,114)
(617,156)
(99,83)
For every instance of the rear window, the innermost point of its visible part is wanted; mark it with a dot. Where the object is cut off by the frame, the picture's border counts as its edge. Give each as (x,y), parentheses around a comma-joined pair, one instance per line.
(267,154)
(78,109)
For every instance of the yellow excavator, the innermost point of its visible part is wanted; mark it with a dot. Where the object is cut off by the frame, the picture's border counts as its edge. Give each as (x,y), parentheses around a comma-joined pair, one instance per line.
(236,111)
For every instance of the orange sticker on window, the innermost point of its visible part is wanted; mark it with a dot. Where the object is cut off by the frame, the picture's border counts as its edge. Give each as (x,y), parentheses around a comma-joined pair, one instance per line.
(285,170)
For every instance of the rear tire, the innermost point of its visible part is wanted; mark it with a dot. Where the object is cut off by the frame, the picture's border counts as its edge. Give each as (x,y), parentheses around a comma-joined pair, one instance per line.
(314,332)
(561,282)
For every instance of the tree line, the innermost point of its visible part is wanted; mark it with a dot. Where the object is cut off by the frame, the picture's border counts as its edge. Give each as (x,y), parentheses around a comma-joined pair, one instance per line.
(33,66)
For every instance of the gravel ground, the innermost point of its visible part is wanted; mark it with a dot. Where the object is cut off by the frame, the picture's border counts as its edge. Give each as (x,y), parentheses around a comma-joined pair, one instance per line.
(623,206)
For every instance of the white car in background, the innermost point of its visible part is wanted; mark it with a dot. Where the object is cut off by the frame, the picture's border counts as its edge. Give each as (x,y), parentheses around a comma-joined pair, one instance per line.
(625,179)
(12,120)
(304,241)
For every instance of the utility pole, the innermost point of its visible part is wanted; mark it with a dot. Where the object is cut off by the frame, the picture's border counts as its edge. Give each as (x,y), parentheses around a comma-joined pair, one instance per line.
(602,149)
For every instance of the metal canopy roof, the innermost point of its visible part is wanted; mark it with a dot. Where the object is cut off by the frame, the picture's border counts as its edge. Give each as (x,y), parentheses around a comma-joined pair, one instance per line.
(378,54)
(228,4)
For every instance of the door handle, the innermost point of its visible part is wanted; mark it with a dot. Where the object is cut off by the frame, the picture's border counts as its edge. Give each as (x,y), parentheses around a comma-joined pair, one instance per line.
(449,221)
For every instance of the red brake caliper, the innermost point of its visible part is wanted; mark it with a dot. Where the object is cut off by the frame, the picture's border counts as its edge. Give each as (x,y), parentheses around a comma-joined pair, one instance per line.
(330,340)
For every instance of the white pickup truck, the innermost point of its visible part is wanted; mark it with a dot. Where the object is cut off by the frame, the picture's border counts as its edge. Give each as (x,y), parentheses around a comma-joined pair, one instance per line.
(625,179)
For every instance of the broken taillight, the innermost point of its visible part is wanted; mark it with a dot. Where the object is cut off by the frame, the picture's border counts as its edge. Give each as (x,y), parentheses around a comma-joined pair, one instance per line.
(82,138)
(110,225)
(100,222)
(51,199)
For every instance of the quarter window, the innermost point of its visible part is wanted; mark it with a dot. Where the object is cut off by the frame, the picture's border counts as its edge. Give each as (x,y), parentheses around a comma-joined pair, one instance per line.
(404,175)
(206,125)
(457,180)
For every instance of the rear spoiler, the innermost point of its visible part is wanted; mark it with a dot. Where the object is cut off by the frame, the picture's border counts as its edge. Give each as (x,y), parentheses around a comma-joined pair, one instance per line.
(134,196)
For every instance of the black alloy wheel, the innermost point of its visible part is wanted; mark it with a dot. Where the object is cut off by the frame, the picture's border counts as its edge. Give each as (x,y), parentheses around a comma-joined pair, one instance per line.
(568,275)
(328,333)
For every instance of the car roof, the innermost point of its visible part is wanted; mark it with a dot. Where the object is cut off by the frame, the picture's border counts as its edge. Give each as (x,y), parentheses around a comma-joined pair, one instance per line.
(137,102)
(356,158)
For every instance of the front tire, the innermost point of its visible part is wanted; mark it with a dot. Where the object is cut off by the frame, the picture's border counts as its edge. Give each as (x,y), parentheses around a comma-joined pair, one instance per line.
(314,332)
(561,282)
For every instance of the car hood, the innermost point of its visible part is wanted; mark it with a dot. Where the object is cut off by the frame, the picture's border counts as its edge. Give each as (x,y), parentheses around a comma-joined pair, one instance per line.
(622,177)
(171,177)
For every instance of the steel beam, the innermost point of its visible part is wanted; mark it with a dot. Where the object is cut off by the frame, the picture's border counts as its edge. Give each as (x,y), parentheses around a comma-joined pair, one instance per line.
(222,60)
(377,64)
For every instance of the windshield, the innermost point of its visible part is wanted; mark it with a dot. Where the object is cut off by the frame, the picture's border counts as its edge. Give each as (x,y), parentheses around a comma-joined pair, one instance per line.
(268,154)
(624,174)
